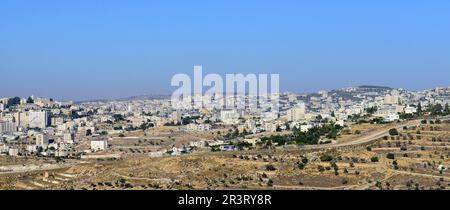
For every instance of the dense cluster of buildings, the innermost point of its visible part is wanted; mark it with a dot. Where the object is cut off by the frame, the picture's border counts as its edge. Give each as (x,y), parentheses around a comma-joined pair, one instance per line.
(45,127)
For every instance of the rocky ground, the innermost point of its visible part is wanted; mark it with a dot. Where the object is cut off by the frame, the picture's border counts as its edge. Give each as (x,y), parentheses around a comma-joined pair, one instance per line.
(418,158)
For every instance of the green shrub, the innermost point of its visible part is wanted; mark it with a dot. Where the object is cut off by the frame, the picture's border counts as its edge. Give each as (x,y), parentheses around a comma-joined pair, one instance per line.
(304,160)
(326,158)
(393,132)
(320,168)
(390,156)
(374,159)
(270,168)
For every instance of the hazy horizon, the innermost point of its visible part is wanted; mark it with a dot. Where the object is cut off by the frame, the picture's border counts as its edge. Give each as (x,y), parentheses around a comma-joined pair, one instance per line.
(87,50)
(169,94)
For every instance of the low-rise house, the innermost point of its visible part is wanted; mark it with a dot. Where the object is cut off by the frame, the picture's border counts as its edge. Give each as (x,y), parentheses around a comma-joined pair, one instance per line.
(61,153)
(252,141)
(198,127)
(391,117)
(216,143)
(198,144)
(4,148)
(32,148)
(13,152)
(410,110)
(99,145)
(340,123)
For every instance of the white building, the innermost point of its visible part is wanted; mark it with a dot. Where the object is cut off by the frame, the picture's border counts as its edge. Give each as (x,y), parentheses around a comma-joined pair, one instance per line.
(269,116)
(198,127)
(391,117)
(270,127)
(198,144)
(229,116)
(252,141)
(305,128)
(216,143)
(7,127)
(99,145)
(297,113)
(41,140)
(176,117)
(4,148)
(38,119)
(393,98)
(340,123)
(13,152)
(22,119)
(410,110)
(32,148)
(61,153)
(69,138)
(354,110)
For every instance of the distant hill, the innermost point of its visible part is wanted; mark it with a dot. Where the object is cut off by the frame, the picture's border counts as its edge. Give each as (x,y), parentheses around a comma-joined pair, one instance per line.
(144,97)
(374,87)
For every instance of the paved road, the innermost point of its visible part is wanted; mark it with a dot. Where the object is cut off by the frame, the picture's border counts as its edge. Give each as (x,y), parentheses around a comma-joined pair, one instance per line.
(363,139)
(373,136)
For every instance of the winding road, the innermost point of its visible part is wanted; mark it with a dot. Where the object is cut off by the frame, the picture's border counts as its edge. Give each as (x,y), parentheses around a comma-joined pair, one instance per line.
(365,138)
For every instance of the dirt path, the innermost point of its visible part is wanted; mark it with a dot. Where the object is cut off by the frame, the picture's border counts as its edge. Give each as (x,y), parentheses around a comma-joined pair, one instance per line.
(282,187)
(420,174)
(12,169)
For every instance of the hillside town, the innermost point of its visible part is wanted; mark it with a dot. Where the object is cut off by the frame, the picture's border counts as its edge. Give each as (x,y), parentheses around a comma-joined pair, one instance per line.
(45,127)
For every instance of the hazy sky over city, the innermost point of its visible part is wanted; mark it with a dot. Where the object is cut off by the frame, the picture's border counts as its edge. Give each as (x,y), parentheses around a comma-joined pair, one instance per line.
(88,49)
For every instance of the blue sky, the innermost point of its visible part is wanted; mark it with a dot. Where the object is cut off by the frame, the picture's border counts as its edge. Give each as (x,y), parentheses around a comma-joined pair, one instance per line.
(89,49)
